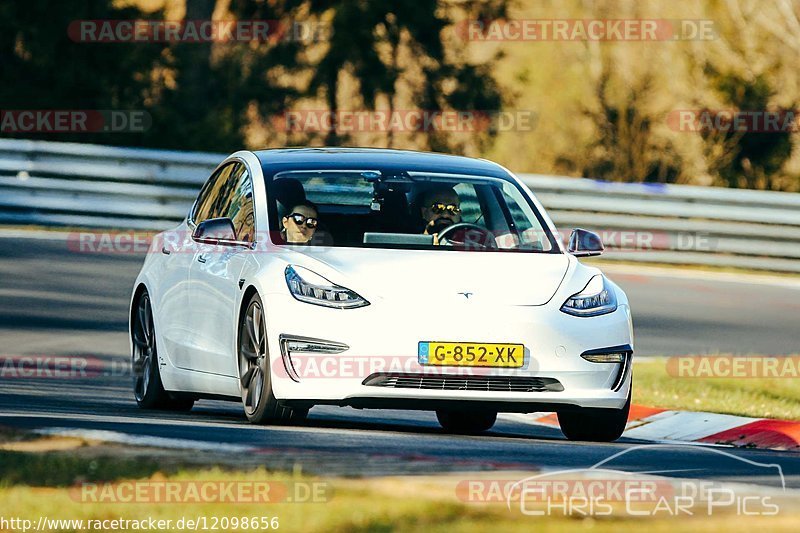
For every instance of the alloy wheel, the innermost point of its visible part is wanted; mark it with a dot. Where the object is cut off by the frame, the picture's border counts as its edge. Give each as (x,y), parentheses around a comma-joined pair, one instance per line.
(144,348)
(252,357)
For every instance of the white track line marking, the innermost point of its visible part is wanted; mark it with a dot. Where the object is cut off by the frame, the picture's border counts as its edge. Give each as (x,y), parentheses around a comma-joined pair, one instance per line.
(145,440)
(685,426)
(38,235)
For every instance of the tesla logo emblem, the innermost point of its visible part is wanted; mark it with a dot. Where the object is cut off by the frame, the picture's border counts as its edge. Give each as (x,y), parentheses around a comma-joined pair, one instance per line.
(466,294)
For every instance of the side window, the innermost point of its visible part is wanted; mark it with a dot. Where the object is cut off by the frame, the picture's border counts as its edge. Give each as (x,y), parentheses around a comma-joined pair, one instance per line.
(531,234)
(470,208)
(210,203)
(241,208)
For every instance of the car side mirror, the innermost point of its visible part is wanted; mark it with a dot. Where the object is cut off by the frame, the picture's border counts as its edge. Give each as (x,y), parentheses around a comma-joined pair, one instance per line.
(215,231)
(584,243)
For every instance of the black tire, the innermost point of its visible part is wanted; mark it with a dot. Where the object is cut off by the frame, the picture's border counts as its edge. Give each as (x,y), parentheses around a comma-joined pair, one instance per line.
(466,423)
(255,378)
(595,425)
(148,390)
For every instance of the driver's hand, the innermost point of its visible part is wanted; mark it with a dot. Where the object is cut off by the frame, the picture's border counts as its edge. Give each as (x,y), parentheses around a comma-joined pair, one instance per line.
(429,231)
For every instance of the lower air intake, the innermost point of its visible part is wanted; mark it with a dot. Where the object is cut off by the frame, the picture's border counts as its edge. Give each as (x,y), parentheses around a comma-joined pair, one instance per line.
(467,383)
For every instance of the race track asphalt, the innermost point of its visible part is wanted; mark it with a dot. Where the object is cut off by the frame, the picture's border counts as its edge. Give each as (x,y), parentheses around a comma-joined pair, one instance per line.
(56,302)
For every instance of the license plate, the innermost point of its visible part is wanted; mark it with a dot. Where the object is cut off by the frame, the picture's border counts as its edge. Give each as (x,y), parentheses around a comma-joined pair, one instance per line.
(471,354)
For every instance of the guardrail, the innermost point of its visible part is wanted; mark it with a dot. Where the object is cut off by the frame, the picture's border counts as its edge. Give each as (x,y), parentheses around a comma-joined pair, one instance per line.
(78,185)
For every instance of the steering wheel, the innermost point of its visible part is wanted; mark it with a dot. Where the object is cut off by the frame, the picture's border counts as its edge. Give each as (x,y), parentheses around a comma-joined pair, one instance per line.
(468,235)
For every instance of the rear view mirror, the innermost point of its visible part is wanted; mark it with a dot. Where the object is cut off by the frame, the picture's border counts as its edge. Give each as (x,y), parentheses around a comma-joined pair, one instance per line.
(215,231)
(583,243)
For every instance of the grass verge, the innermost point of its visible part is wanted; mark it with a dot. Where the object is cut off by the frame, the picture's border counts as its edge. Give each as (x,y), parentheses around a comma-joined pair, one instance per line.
(756,397)
(376,504)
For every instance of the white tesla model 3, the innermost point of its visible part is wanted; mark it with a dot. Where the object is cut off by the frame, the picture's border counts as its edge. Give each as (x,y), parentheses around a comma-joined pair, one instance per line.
(379,279)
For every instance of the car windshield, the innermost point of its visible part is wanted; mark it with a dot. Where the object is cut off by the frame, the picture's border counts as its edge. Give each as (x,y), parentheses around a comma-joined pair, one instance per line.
(412,210)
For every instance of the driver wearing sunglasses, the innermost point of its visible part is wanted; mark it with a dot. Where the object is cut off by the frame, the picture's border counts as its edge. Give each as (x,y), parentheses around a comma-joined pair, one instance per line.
(440,208)
(301,223)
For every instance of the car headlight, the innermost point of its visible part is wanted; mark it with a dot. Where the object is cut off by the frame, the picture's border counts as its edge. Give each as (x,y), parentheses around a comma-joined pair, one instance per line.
(310,287)
(597,298)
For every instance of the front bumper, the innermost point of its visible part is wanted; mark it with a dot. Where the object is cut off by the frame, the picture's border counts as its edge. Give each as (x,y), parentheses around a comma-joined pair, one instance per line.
(383,339)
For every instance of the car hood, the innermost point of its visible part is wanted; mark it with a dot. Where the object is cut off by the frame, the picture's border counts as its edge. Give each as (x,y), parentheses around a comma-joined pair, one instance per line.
(417,275)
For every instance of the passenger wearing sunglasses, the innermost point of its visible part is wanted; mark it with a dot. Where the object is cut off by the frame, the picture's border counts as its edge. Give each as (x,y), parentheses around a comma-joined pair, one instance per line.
(440,208)
(301,223)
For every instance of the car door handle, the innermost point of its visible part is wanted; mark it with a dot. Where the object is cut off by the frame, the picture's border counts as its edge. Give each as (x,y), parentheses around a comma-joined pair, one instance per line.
(165,251)
(201,258)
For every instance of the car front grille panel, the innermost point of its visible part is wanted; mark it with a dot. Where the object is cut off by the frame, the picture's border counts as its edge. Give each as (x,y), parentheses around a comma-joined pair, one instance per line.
(465,383)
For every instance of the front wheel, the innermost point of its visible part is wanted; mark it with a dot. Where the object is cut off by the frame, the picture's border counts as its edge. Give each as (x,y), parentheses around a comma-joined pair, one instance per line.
(595,425)
(466,422)
(260,404)
(147,387)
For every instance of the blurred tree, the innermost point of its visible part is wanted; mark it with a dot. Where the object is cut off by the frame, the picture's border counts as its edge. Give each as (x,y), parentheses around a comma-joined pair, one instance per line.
(752,158)
(189,112)
(438,78)
(197,93)
(625,148)
(217,85)
(624,142)
(42,68)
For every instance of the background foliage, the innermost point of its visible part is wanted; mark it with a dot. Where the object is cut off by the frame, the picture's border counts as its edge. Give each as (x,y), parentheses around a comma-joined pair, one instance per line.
(601,107)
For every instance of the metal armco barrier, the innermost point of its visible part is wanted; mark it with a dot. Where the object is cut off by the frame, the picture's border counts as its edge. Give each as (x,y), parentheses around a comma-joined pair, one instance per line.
(91,186)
